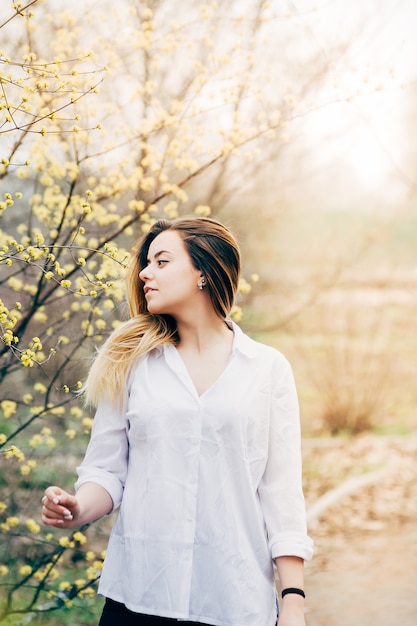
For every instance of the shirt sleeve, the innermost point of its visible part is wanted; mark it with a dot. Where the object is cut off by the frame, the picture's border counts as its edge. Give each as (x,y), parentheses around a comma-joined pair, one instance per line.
(280,490)
(105,461)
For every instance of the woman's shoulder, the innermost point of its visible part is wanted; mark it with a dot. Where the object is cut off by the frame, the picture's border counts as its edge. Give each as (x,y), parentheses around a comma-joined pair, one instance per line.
(257,349)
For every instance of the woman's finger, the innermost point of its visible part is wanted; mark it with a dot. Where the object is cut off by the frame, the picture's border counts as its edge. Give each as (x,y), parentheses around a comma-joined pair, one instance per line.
(52,509)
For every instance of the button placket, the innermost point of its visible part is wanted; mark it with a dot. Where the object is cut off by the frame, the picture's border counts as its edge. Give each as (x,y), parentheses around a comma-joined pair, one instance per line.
(190,512)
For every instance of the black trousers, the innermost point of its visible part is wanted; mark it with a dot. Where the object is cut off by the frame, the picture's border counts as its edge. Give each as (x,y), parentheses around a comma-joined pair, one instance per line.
(116,614)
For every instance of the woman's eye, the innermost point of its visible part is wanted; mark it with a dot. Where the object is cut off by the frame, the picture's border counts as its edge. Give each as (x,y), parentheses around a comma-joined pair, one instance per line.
(161,262)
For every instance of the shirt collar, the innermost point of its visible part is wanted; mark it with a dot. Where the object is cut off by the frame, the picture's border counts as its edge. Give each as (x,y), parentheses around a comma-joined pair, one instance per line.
(242,343)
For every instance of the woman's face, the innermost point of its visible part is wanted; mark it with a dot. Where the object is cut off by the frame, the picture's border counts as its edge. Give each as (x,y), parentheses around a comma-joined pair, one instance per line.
(171,280)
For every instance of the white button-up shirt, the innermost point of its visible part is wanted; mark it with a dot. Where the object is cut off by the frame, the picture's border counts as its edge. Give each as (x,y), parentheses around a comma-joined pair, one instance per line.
(209,487)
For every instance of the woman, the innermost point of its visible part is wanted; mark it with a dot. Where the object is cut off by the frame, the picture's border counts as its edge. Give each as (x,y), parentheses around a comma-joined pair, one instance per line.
(197,440)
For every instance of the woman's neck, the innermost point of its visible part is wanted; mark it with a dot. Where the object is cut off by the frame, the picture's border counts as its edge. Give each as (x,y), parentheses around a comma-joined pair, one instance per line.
(199,335)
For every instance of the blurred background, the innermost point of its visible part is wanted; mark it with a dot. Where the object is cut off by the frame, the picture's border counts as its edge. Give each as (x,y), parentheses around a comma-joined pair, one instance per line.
(292,122)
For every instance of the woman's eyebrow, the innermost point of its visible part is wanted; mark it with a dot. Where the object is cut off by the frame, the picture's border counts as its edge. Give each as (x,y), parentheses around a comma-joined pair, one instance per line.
(158,254)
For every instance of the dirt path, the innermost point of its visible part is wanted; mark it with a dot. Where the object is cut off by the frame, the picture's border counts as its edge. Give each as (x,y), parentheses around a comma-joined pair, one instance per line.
(368,579)
(364,572)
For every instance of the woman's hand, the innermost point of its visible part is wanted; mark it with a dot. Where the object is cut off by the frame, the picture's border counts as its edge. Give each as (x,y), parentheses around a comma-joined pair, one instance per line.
(59,508)
(63,510)
(291,611)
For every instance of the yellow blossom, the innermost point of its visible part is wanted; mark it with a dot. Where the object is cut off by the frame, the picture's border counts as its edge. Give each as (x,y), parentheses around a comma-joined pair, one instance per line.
(32,526)
(202,210)
(64,542)
(37,410)
(28,357)
(14,451)
(53,573)
(40,316)
(4,570)
(76,412)
(36,344)
(94,570)
(171,209)
(25,570)
(65,585)
(79,538)
(244,286)
(39,575)
(236,314)
(12,521)
(108,305)
(36,440)
(71,433)
(88,591)
(8,407)
(58,410)
(8,338)
(87,422)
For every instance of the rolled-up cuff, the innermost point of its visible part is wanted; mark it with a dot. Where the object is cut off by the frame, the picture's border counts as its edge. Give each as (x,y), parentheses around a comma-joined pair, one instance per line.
(109,482)
(291,544)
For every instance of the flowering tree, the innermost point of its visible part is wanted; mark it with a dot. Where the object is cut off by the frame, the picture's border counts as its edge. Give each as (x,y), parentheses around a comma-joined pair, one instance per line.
(107,122)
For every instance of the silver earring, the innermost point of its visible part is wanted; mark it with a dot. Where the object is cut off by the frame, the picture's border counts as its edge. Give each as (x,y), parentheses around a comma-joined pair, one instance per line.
(201,283)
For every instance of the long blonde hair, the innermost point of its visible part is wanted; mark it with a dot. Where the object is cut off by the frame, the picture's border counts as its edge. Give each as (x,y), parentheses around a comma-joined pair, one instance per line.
(214,251)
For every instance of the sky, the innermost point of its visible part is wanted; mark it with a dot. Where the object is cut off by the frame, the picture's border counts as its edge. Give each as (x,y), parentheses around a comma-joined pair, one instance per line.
(364,137)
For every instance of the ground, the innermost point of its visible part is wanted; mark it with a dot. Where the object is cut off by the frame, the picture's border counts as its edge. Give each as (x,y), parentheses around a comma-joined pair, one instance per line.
(368,579)
(364,571)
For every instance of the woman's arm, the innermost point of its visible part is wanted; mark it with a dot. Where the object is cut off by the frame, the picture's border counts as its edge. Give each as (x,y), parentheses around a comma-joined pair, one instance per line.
(281,486)
(291,574)
(63,510)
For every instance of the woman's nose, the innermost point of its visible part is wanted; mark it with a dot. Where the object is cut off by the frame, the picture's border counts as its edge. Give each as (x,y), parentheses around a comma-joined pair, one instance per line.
(145,273)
